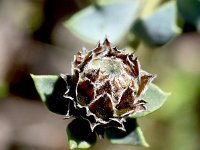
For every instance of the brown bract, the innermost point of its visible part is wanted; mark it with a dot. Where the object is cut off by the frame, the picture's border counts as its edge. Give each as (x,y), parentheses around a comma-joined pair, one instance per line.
(105,86)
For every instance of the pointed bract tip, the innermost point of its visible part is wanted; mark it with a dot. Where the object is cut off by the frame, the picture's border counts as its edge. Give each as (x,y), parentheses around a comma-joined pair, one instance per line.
(99,44)
(115,48)
(106,42)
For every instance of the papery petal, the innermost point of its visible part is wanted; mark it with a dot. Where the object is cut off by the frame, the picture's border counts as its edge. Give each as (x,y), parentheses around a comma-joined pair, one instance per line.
(126,103)
(102,107)
(85,93)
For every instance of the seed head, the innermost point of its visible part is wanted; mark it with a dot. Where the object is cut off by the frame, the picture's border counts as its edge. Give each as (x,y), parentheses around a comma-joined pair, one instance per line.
(105,86)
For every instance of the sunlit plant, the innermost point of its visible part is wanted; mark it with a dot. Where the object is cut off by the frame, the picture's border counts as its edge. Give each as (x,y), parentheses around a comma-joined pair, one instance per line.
(105,93)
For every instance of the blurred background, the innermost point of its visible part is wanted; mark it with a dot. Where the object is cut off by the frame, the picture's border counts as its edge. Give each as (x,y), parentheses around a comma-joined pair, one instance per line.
(41,37)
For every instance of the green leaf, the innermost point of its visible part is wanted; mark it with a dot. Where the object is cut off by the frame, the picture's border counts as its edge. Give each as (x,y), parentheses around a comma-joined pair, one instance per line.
(51,89)
(190,11)
(154,97)
(97,21)
(132,136)
(159,27)
(80,134)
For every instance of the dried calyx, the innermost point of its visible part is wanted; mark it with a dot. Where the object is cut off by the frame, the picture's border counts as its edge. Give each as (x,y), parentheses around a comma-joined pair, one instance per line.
(105,86)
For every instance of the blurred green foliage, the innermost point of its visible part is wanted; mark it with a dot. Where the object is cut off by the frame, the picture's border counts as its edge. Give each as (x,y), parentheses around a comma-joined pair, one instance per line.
(146,24)
(159,27)
(156,23)
(189,10)
(101,19)
(174,127)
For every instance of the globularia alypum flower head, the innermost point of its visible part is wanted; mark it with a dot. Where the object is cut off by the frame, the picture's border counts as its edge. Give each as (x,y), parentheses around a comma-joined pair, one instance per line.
(105,86)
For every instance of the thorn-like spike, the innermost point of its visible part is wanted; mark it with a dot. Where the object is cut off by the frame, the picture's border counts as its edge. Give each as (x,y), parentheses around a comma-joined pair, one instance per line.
(98,49)
(115,49)
(98,44)
(106,42)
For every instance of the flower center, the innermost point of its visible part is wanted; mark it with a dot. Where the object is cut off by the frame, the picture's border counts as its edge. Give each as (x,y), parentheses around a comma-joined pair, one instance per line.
(111,67)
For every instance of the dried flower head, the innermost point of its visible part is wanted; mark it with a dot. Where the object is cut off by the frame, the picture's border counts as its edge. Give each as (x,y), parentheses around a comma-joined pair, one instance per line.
(105,86)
